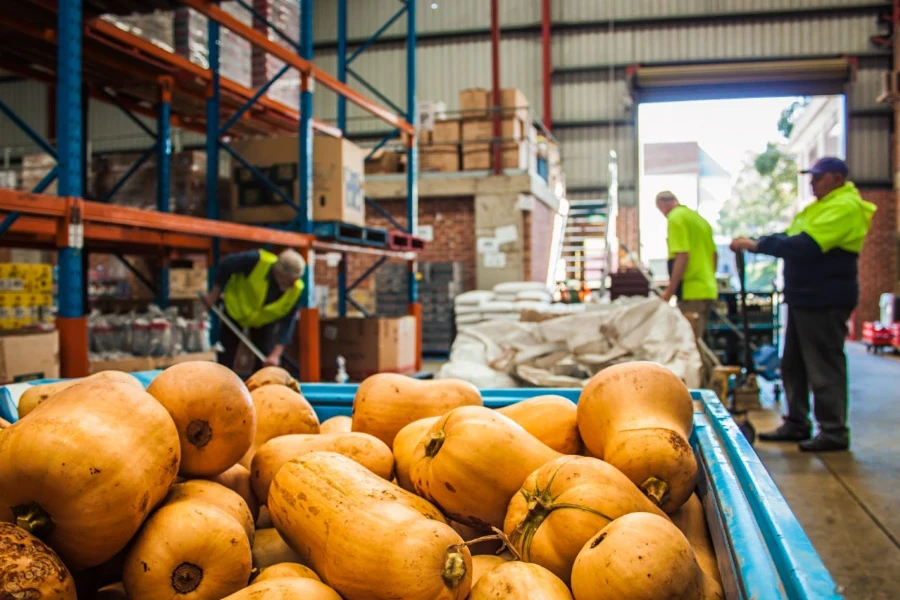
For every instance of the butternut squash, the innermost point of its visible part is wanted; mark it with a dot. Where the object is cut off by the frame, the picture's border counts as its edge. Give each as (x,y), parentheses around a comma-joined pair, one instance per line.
(469,534)
(269,548)
(286,588)
(286,570)
(279,411)
(377,548)
(188,549)
(482,563)
(638,416)
(265,519)
(337,424)
(4,424)
(473,461)
(29,568)
(384,403)
(84,471)
(565,502)
(37,394)
(518,580)
(551,419)
(365,449)
(213,412)
(404,445)
(272,376)
(640,556)
(691,521)
(200,490)
(237,479)
(113,591)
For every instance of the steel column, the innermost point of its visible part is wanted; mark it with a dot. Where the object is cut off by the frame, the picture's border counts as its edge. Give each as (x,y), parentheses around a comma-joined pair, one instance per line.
(163,174)
(546,65)
(412,172)
(342,62)
(496,144)
(72,323)
(212,155)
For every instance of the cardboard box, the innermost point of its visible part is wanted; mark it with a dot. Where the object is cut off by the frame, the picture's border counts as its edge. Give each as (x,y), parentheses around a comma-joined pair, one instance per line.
(383,162)
(442,159)
(369,346)
(27,356)
(185,283)
(511,129)
(338,179)
(474,103)
(448,131)
(478,157)
(514,103)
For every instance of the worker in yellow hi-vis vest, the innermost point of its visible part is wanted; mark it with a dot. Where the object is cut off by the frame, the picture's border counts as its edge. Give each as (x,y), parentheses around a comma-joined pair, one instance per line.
(261,293)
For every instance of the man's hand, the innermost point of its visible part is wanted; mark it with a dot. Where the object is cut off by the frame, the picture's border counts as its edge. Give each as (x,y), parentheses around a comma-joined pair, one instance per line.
(667,295)
(274,357)
(212,298)
(742,243)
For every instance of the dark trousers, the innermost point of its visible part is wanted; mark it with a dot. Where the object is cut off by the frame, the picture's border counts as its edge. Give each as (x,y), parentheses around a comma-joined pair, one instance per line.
(262,338)
(814,360)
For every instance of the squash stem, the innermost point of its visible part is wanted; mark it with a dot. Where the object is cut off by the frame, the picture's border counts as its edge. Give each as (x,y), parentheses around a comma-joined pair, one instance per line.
(186,578)
(33,519)
(433,443)
(656,489)
(454,567)
(199,433)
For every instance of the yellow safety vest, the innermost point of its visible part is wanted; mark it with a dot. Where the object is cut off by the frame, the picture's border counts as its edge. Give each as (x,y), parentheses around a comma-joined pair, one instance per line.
(245,295)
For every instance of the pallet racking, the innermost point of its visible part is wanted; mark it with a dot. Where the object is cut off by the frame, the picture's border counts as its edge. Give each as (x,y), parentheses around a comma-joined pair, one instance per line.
(65,44)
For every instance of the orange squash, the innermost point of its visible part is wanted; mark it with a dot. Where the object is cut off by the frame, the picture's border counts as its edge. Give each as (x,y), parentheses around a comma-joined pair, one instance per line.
(272,376)
(200,490)
(37,394)
(640,556)
(113,591)
(691,520)
(269,548)
(286,570)
(279,411)
(404,445)
(213,412)
(265,519)
(84,471)
(551,419)
(473,461)
(286,588)
(518,580)
(29,568)
(638,417)
(4,424)
(386,402)
(565,502)
(469,534)
(482,563)
(188,548)
(337,424)
(377,548)
(365,449)
(237,479)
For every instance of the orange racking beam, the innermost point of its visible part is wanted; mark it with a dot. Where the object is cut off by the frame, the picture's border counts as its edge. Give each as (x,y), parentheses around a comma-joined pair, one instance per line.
(262,41)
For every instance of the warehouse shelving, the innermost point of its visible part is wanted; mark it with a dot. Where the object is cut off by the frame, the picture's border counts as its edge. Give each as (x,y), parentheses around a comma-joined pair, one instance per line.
(66,45)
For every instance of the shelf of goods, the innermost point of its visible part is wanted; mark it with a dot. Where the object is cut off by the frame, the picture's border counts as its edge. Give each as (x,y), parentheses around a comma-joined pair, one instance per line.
(760,548)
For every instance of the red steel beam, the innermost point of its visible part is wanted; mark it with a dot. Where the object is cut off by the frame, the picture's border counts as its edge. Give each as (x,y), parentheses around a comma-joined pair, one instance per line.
(546,81)
(497,144)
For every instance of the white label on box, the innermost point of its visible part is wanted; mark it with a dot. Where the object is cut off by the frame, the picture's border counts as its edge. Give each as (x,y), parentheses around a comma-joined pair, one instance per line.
(495,260)
(488,245)
(426,232)
(507,233)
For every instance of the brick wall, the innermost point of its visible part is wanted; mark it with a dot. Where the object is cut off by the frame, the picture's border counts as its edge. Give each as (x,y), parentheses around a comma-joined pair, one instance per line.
(537,232)
(627,228)
(453,220)
(878,261)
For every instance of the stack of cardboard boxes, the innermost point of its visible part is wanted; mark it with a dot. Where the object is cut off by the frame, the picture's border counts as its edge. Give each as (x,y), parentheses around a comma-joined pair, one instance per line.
(26,295)
(516,132)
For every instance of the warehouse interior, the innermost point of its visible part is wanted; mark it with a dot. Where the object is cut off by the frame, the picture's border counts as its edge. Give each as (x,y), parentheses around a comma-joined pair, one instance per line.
(467,194)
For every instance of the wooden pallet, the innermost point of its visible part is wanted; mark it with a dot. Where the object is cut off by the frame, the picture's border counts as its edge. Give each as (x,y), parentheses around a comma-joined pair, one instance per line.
(397,240)
(351,234)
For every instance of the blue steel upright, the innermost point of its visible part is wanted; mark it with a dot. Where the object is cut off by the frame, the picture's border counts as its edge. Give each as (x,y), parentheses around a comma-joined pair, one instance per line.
(212,155)
(163,173)
(305,138)
(412,156)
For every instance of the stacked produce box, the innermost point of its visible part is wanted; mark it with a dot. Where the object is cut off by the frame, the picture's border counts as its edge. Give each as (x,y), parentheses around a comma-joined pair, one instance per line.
(26,296)
(285,15)
(517,135)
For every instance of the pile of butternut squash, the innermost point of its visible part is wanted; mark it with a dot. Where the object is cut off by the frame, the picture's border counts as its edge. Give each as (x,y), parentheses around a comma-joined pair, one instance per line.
(205,487)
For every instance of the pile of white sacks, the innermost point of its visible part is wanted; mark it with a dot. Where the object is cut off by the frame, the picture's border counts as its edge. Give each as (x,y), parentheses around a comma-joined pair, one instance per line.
(506,302)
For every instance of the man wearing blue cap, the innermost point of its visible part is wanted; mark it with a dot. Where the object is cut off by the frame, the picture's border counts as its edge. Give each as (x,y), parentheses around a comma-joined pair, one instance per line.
(820,251)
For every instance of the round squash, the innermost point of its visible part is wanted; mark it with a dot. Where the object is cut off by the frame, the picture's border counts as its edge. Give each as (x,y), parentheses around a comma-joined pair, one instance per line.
(482,563)
(365,449)
(565,502)
(84,471)
(37,394)
(551,419)
(188,549)
(272,376)
(518,580)
(638,416)
(384,403)
(404,445)
(691,521)
(640,556)
(286,588)
(269,548)
(286,570)
(200,490)
(29,568)
(279,411)
(237,479)
(377,547)
(473,461)
(213,412)
(337,424)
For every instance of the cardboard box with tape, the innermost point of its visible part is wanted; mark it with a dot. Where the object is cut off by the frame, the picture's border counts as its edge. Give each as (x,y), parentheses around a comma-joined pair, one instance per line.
(369,346)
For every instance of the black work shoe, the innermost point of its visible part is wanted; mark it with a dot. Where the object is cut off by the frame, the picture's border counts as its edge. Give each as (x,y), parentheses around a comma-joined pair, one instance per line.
(820,443)
(786,433)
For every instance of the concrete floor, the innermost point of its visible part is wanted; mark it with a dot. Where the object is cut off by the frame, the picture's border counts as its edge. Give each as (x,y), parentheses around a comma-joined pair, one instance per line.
(843,500)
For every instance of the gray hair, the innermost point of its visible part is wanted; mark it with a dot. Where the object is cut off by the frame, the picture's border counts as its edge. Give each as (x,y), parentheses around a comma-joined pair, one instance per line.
(666,196)
(290,264)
